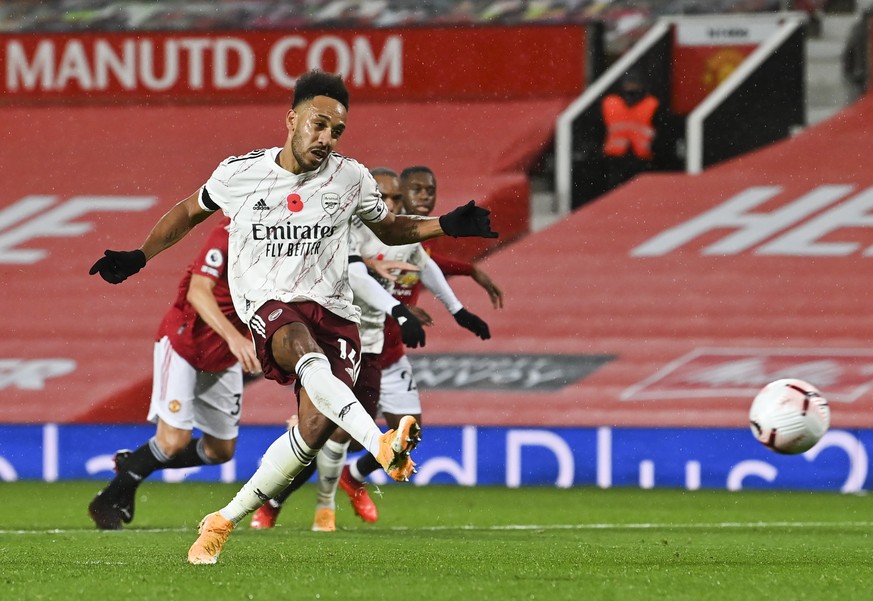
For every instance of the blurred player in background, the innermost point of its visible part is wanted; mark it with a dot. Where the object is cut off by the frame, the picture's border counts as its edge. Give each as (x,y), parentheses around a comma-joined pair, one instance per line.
(418,193)
(416,189)
(291,210)
(201,351)
(395,389)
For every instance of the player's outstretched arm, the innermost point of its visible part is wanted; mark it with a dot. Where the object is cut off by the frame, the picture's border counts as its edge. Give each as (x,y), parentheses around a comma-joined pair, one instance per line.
(434,280)
(385,268)
(494,293)
(468,221)
(465,221)
(451,266)
(116,266)
(371,292)
(474,323)
(202,298)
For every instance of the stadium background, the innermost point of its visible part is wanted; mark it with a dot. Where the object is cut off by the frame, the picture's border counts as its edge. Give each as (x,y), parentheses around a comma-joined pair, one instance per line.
(637,327)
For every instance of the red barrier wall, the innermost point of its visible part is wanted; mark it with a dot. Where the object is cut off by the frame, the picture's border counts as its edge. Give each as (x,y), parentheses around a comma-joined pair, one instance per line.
(79,180)
(411,64)
(704,287)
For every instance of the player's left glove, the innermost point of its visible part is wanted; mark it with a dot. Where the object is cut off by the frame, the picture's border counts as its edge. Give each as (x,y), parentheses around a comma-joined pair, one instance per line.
(118,265)
(468,220)
(411,331)
(473,323)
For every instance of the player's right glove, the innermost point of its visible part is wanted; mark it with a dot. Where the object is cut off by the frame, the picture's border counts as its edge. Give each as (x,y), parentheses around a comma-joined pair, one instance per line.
(473,323)
(410,328)
(118,265)
(468,220)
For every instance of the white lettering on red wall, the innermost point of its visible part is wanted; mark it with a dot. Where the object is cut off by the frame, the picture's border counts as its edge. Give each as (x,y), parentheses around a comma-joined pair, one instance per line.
(807,226)
(417,64)
(37,216)
(194,63)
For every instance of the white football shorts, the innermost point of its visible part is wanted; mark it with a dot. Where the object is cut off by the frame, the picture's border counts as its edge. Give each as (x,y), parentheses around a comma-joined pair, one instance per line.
(399,393)
(186,398)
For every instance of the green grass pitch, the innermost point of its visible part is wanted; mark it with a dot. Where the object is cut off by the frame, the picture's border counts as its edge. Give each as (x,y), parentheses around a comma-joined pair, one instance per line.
(442,542)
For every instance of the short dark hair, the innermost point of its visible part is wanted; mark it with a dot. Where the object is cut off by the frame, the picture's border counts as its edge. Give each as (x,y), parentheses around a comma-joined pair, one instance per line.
(319,83)
(377,171)
(417,169)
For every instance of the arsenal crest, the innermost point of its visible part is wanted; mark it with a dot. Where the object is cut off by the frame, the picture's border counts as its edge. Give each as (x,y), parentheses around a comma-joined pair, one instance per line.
(330,202)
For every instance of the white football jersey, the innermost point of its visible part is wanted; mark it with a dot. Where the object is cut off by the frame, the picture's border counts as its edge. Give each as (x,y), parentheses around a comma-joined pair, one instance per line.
(288,233)
(368,246)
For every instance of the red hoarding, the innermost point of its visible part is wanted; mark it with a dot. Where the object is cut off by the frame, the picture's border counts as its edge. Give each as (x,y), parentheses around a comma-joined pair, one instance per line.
(468,63)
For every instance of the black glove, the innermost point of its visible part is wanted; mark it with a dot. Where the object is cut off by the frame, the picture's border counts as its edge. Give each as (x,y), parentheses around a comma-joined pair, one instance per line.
(118,265)
(468,220)
(410,328)
(473,323)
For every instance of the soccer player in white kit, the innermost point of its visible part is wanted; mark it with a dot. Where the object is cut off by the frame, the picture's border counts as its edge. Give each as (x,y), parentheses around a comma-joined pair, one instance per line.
(291,210)
(397,395)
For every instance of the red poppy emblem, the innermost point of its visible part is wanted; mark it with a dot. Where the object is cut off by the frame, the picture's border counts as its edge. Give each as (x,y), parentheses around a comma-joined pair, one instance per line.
(295,204)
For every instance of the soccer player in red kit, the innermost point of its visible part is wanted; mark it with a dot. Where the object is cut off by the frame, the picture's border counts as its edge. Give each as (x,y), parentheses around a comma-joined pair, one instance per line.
(201,351)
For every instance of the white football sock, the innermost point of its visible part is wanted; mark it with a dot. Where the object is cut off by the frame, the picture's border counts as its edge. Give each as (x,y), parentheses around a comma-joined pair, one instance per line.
(282,461)
(330,460)
(337,401)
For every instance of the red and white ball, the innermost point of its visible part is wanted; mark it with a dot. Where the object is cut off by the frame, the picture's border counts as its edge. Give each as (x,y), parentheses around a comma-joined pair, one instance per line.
(789,416)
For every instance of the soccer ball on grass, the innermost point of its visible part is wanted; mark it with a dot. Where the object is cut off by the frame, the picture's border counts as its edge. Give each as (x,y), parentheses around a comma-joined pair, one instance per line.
(789,416)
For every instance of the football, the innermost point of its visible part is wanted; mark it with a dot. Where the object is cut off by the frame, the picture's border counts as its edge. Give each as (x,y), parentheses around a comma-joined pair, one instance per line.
(789,416)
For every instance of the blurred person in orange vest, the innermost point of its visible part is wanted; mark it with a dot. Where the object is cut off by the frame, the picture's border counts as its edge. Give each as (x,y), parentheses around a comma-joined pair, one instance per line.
(629,118)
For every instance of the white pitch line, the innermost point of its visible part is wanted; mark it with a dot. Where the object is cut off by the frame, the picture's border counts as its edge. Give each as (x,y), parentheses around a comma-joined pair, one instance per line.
(511,527)
(645,526)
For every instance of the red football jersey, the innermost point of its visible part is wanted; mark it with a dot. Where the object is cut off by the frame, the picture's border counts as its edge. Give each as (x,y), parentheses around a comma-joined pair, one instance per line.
(189,335)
